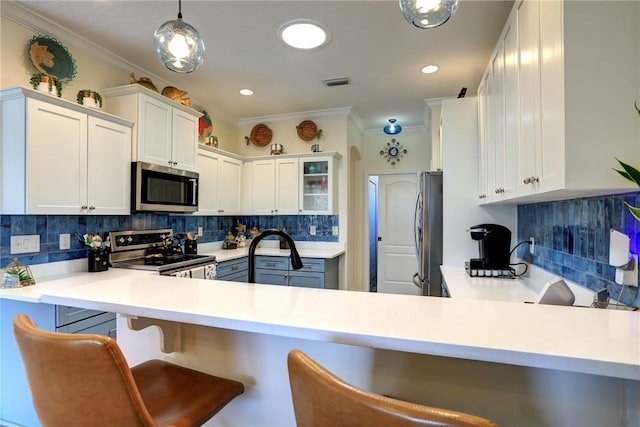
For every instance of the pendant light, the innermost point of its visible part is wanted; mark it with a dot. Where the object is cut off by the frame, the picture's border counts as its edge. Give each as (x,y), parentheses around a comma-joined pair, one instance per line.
(428,13)
(392,128)
(179,45)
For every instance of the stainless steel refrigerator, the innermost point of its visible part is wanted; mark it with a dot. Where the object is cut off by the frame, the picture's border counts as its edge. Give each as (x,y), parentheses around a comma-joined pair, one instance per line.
(428,234)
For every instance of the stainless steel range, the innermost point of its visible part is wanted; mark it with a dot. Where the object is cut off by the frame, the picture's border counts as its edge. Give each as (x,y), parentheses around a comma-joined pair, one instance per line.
(158,250)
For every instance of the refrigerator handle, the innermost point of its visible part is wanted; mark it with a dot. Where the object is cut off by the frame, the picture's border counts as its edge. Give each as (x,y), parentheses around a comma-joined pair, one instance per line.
(415,226)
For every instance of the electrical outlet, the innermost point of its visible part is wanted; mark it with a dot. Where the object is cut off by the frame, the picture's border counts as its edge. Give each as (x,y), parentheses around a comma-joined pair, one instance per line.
(25,244)
(65,241)
(200,231)
(334,230)
(312,230)
(532,246)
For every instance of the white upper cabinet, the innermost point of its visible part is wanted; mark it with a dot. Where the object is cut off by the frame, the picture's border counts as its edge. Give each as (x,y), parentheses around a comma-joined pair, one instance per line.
(62,158)
(274,186)
(497,113)
(292,184)
(287,171)
(221,183)
(566,110)
(165,132)
(318,189)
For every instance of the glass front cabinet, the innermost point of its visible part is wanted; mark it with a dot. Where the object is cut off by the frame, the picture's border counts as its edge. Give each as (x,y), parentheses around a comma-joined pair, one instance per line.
(318,189)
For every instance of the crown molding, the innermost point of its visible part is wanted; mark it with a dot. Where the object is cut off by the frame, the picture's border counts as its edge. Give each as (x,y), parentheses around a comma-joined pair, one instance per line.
(330,112)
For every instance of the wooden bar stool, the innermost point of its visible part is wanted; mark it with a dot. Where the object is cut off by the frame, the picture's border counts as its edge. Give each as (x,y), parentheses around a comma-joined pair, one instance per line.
(83,380)
(321,399)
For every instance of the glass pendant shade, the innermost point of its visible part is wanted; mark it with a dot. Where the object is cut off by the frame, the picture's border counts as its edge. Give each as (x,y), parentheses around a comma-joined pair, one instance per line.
(179,46)
(392,128)
(428,13)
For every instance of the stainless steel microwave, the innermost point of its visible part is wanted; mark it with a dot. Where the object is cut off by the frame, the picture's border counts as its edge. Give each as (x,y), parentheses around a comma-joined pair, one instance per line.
(159,188)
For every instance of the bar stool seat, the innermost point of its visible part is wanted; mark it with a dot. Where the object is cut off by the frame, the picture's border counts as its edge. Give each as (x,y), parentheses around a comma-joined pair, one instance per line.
(83,380)
(322,399)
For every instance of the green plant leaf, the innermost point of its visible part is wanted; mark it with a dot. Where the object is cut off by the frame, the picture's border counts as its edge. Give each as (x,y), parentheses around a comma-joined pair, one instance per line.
(630,173)
(634,211)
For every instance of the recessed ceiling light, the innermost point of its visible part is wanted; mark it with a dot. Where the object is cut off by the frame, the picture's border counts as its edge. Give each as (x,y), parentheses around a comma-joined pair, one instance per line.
(429,69)
(303,34)
(246,92)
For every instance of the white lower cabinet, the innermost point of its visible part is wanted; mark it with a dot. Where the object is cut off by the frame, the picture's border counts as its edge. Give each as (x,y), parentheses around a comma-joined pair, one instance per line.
(62,158)
(221,183)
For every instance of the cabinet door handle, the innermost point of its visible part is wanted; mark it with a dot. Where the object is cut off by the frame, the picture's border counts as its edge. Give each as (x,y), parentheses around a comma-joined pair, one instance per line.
(526,181)
(83,207)
(92,207)
(220,210)
(170,162)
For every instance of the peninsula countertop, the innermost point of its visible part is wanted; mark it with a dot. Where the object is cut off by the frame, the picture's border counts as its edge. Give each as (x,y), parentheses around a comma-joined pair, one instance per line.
(518,334)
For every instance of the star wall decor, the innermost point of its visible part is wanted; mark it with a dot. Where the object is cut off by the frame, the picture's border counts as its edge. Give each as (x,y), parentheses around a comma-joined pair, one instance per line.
(393,152)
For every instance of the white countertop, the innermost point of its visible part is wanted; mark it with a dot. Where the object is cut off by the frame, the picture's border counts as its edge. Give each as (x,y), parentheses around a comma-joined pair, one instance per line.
(601,342)
(519,290)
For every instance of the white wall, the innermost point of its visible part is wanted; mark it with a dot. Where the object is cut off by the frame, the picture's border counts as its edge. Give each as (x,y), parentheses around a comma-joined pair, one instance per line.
(460,183)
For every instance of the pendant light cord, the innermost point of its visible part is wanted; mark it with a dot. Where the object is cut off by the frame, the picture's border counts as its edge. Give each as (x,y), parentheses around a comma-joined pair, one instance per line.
(179,9)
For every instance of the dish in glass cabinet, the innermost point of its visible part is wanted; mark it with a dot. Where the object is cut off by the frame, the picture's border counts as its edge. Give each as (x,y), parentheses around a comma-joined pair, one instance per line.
(49,56)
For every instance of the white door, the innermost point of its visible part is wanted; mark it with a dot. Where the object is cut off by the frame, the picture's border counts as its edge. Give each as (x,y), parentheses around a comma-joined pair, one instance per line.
(287,178)
(263,188)
(230,185)
(208,196)
(184,141)
(154,131)
(57,159)
(109,168)
(397,261)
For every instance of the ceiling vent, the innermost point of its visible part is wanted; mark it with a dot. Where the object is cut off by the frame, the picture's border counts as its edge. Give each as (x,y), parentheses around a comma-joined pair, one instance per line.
(336,82)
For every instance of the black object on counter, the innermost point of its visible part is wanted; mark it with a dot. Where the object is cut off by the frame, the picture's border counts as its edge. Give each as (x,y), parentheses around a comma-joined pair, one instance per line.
(494,242)
(190,247)
(98,260)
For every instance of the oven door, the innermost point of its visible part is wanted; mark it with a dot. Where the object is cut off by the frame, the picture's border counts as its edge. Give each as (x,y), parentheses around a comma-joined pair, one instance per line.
(206,271)
(162,189)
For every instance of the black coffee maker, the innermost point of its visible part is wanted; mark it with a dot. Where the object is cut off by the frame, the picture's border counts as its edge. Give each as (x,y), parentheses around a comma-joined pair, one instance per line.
(494,242)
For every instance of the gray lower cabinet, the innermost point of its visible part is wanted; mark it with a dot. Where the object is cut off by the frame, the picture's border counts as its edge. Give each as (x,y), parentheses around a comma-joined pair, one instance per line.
(233,270)
(315,273)
(15,398)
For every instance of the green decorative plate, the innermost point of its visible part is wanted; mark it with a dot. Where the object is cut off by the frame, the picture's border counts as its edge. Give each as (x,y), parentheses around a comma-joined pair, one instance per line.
(49,56)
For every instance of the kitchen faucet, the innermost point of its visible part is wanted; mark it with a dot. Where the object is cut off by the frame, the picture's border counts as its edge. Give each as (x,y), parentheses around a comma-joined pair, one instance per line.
(296,262)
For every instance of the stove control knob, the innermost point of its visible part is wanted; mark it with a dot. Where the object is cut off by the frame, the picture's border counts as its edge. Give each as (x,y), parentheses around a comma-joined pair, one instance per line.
(129,239)
(120,240)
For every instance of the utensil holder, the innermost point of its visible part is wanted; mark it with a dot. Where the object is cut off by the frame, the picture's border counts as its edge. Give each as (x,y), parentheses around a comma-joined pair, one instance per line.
(98,261)
(191,247)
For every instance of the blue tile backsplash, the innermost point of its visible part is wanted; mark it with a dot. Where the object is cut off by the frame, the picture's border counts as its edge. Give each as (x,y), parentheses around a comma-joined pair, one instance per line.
(572,239)
(49,227)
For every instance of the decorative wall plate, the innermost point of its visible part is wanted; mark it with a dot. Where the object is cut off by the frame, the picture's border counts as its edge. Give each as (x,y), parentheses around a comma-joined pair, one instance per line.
(261,135)
(49,56)
(307,130)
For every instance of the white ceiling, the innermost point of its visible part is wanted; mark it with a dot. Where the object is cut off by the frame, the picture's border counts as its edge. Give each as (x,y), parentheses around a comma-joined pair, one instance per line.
(371,44)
